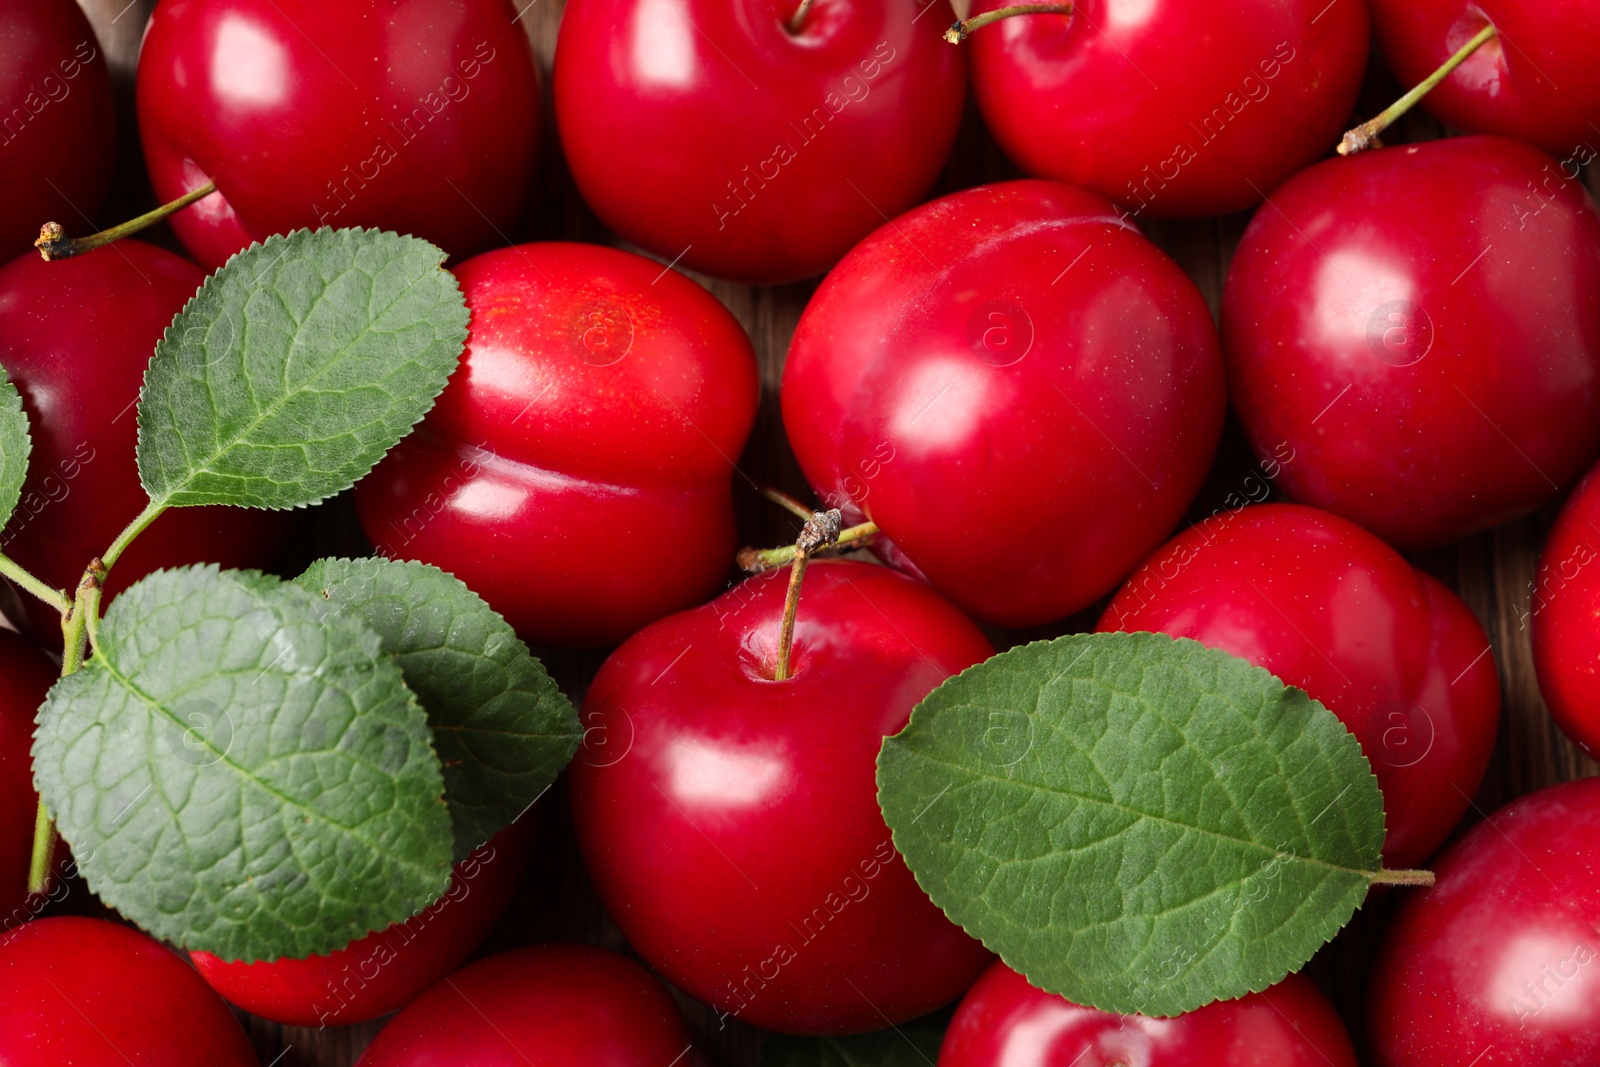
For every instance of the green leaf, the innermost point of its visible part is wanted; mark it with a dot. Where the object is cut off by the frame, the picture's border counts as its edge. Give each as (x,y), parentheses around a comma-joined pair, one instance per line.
(1137,823)
(913,1044)
(15,446)
(238,773)
(502,728)
(296,367)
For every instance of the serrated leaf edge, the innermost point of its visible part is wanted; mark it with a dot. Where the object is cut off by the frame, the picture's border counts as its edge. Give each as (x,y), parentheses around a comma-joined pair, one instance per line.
(1115,636)
(114,899)
(576,739)
(11,402)
(281,238)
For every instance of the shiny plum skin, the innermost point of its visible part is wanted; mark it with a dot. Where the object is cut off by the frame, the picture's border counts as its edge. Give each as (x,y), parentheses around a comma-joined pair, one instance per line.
(383,971)
(1421,326)
(577,469)
(58,138)
(1327,607)
(1564,617)
(730,822)
(1020,391)
(1171,108)
(1538,82)
(1498,963)
(1005,1022)
(551,1005)
(419,117)
(98,994)
(26,675)
(710,134)
(75,338)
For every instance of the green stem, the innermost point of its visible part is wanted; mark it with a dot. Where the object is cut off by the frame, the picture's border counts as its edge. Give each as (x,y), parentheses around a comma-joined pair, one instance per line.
(53,242)
(44,850)
(963,28)
(74,637)
(1365,135)
(1401,877)
(151,513)
(89,606)
(760,560)
(786,502)
(56,598)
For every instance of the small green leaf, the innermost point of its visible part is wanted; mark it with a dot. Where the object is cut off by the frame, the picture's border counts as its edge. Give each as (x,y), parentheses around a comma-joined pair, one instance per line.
(296,367)
(15,446)
(502,728)
(913,1044)
(238,773)
(1140,824)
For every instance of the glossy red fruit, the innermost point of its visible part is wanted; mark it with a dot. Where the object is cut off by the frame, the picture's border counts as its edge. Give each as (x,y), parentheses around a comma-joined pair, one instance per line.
(1005,1022)
(96,994)
(385,970)
(58,136)
(730,822)
(576,471)
(1564,616)
(1421,326)
(1171,107)
(1538,81)
(26,675)
(551,1005)
(420,117)
(711,134)
(75,338)
(1020,390)
(1327,607)
(1498,964)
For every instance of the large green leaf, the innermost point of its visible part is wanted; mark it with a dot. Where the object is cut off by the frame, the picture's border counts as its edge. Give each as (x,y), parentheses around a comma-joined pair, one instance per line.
(913,1044)
(15,446)
(296,367)
(239,773)
(502,728)
(1137,823)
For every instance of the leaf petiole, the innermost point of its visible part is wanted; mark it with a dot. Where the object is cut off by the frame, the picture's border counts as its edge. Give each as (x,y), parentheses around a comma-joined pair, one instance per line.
(141,522)
(56,598)
(1386,877)
(44,850)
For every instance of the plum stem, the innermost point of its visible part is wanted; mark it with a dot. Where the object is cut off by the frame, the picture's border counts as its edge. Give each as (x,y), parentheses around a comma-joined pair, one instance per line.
(785,501)
(1401,877)
(53,242)
(820,531)
(797,21)
(963,28)
(1365,135)
(761,560)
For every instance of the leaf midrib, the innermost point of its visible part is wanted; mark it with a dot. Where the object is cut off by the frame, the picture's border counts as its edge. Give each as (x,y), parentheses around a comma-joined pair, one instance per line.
(1129,810)
(203,467)
(246,775)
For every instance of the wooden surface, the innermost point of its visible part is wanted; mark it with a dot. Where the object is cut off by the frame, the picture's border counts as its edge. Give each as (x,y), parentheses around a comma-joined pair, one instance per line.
(1493,571)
